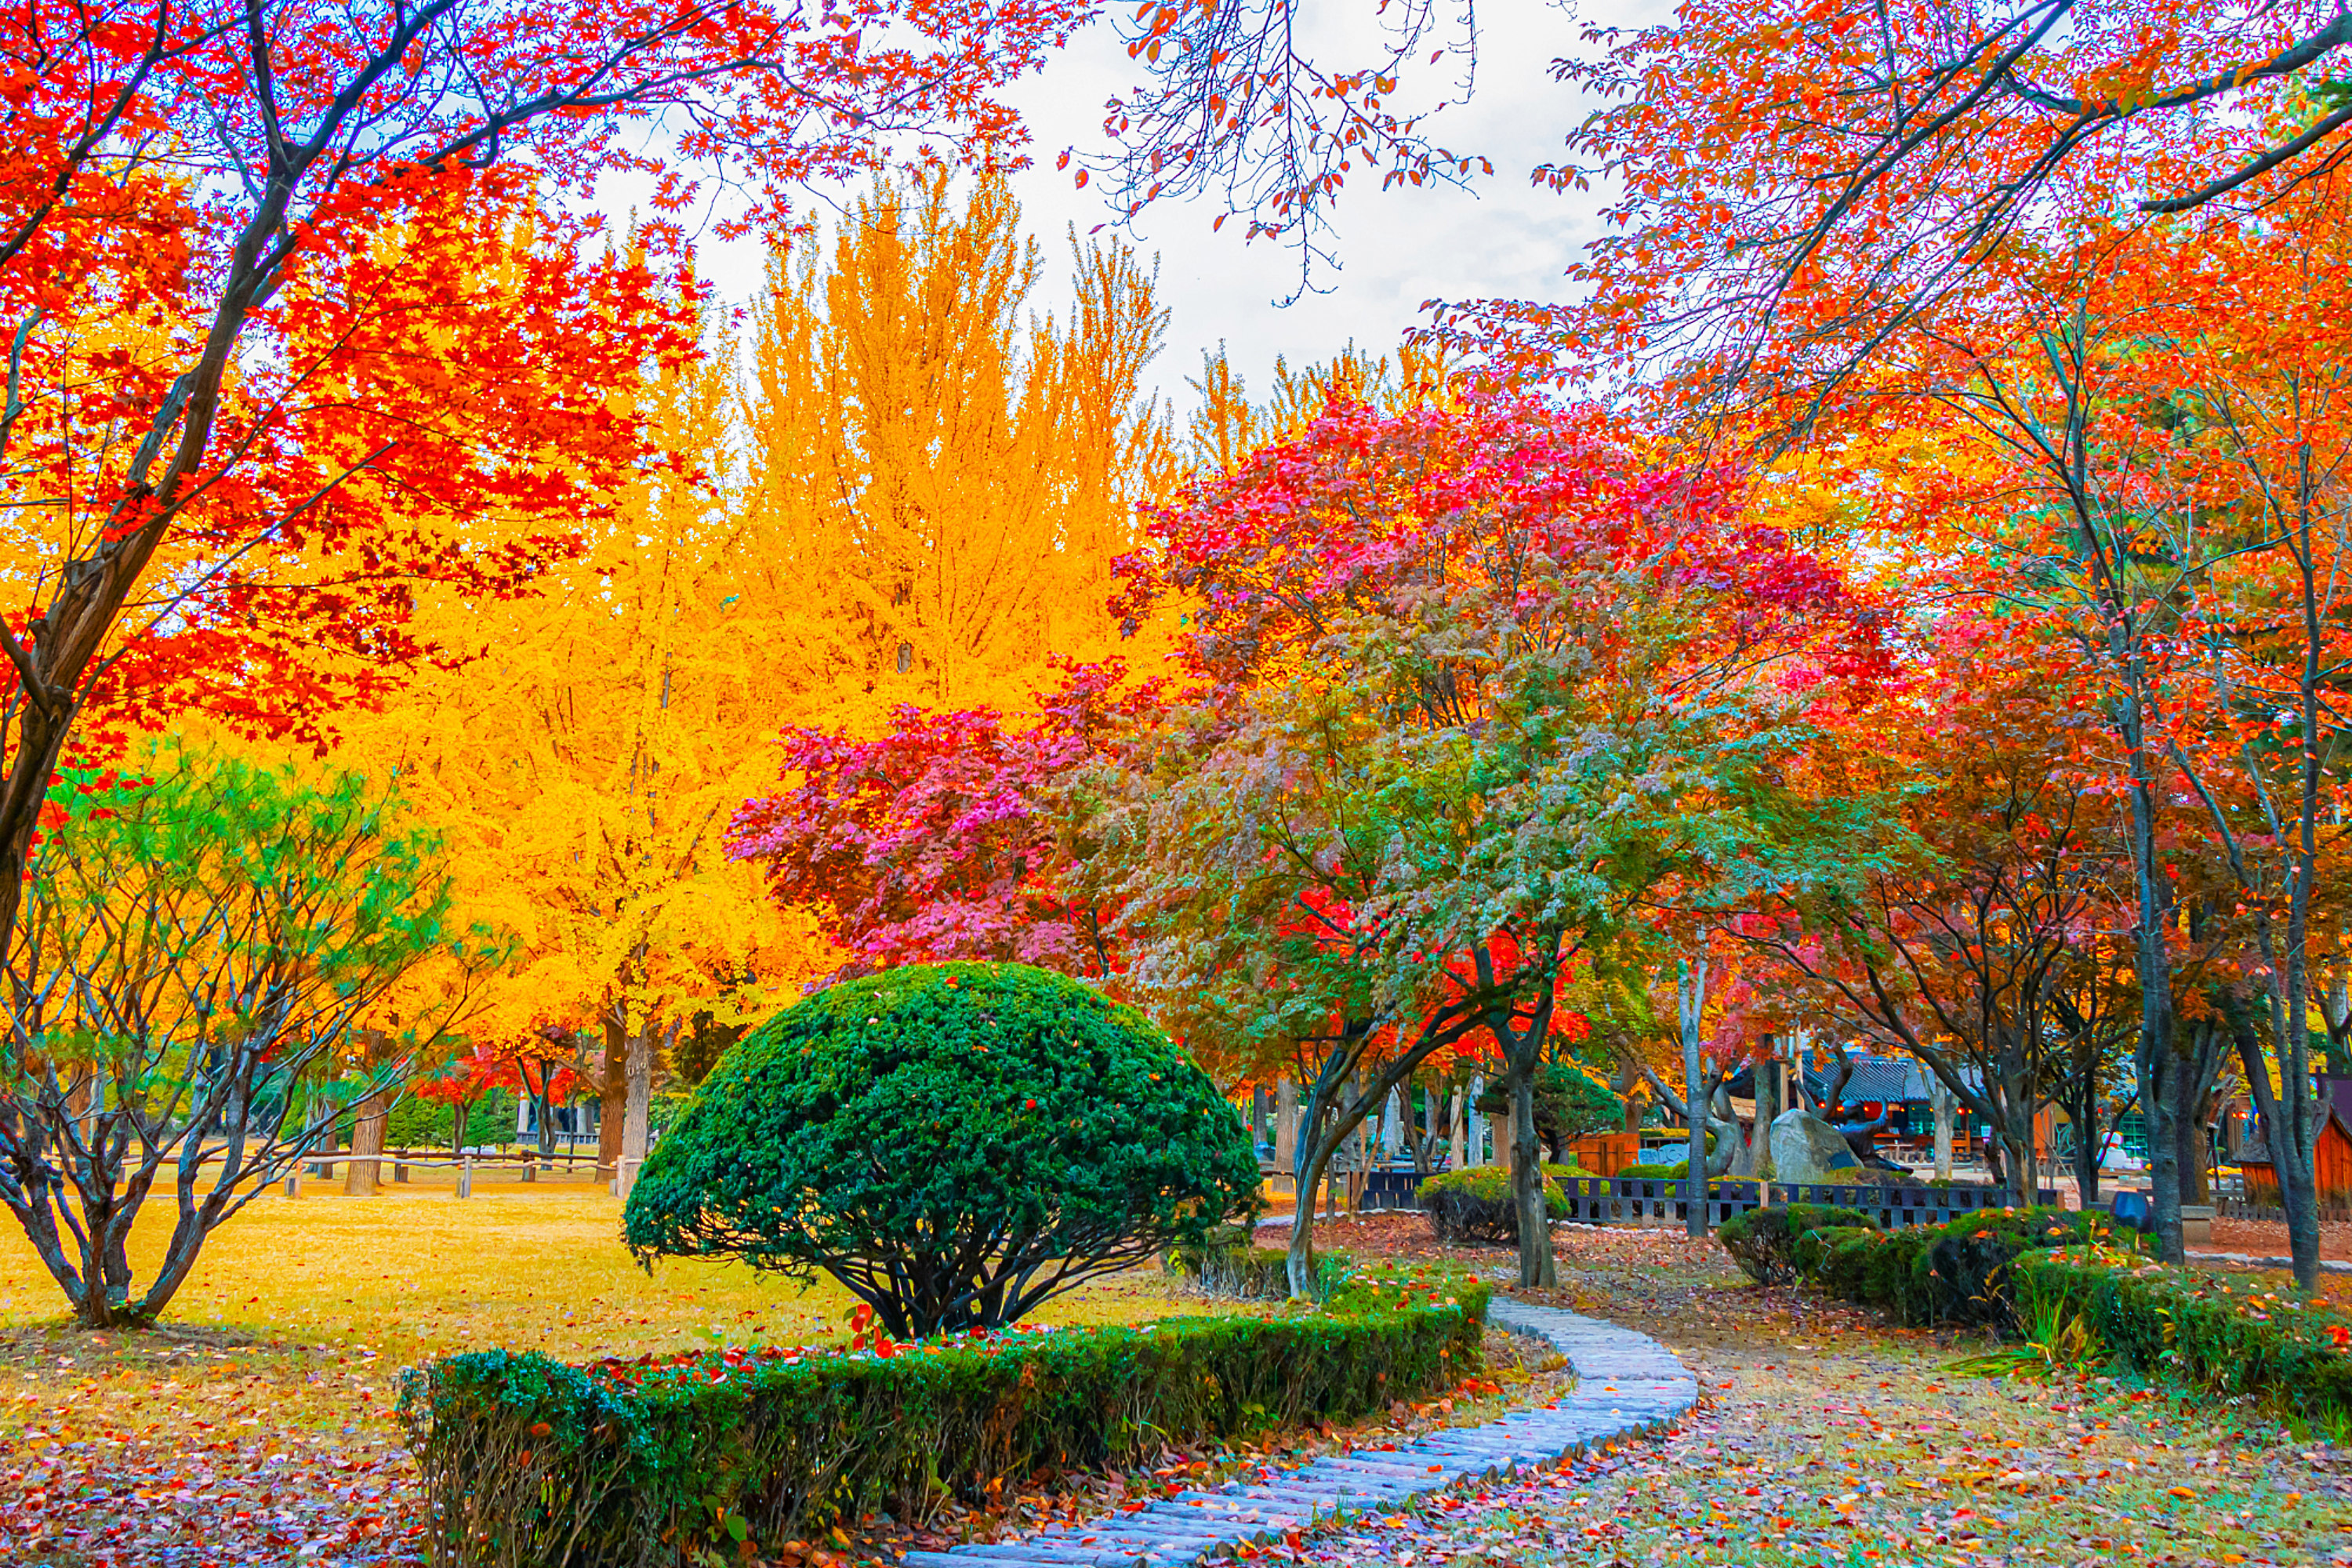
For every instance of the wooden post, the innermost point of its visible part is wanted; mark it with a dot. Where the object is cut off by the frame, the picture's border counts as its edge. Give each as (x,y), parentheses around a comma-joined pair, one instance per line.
(465,1177)
(293,1184)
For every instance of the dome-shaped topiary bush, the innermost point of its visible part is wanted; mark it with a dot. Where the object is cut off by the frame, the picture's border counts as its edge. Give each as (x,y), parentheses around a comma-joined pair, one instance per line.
(954,1142)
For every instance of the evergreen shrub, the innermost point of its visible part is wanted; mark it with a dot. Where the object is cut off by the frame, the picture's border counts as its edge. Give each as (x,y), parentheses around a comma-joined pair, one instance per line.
(954,1142)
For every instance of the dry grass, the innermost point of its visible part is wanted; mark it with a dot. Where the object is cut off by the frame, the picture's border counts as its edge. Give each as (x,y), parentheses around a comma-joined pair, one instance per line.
(412,1274)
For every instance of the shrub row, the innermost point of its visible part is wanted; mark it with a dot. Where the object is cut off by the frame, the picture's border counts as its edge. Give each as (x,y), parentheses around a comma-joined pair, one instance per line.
(2231,1334)
(1475,1205)
(1921,1275)
(529,1463)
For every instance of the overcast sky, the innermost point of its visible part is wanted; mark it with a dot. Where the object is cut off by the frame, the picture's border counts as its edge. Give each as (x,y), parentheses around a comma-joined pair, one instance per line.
(1397,248)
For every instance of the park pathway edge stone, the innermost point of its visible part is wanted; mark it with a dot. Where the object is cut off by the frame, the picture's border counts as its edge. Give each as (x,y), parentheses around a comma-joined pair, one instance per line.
(1627,1386)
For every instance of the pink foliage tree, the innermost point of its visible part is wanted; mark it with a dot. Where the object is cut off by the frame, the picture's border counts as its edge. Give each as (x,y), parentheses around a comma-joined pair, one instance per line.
(929,843)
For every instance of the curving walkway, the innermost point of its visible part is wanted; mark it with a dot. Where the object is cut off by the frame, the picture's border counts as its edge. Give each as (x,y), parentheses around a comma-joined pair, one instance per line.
(1627,1384)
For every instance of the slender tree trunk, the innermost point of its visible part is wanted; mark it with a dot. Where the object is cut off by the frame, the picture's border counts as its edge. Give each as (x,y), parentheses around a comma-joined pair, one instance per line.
(1286,1135)
(1691,994)
(2086,1152)
(1768,1107)
(1943,1106)
(2155,1057)
(1538,1268)
(612,1090)
(637,1110)
(2194,1188)
(2159,1094)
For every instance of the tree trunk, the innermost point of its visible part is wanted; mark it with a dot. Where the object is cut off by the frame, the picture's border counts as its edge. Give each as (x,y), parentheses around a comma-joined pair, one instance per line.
(1286,1135)
(1457,1128)
(2017,1134)
(2086,1153)
(459,1114)
(1943,1104)
(1767,1106)
(637,1110)
(2298,1188)
(2157,1096)
(1691,993)
(1538,1268)
(368,1120)
(612,1090)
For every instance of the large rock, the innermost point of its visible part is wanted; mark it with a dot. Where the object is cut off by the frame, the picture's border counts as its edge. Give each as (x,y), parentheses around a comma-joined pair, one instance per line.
(1806,1149)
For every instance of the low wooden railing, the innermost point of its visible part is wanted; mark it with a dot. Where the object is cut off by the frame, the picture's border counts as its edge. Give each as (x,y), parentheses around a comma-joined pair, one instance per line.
(524,1162)
(1617,1200)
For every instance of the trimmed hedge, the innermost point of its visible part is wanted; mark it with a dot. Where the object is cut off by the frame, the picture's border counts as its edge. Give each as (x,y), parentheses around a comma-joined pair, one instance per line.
(1475,1205)
(2231,1335)
(1921,1275)
(528,1463)
(1763,1241)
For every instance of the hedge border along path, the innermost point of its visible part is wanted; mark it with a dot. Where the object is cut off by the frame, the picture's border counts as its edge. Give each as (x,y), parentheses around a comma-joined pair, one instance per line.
(1628,1384)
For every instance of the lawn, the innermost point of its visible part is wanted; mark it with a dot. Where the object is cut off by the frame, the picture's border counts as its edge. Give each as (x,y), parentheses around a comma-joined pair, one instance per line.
(258,1421)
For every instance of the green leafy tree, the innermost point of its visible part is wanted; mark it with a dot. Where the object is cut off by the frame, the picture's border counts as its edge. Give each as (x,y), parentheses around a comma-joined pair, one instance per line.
(197,954)
(954,1142)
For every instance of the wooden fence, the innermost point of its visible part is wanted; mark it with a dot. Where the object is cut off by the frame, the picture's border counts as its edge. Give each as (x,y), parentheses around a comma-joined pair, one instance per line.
(1618,1200)
(525,1165)
(1637,1200)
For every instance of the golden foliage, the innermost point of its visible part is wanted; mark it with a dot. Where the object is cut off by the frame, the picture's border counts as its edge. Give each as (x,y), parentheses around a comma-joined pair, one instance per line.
(951,481)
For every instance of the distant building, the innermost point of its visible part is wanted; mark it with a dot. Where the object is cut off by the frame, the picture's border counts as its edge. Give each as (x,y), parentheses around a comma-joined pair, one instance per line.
(2331,1162)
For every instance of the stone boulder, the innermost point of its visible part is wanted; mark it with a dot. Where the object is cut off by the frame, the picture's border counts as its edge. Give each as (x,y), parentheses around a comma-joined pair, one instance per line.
(1806,1149)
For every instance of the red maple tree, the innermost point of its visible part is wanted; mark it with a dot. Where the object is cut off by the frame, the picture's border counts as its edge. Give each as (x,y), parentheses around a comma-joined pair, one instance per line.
(302,304)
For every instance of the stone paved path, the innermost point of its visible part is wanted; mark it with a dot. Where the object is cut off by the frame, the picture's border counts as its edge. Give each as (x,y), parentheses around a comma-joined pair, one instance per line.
(1626,1384)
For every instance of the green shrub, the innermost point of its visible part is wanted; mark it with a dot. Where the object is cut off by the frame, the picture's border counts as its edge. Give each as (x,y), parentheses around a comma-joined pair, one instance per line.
(953,1142)
(1654,1173)
(1227,1265)
(1762,1241)
(1475,1206)
(1837,1257)
(1927,1275)
(528,1463)
(1968,1263)
(2235,1336)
